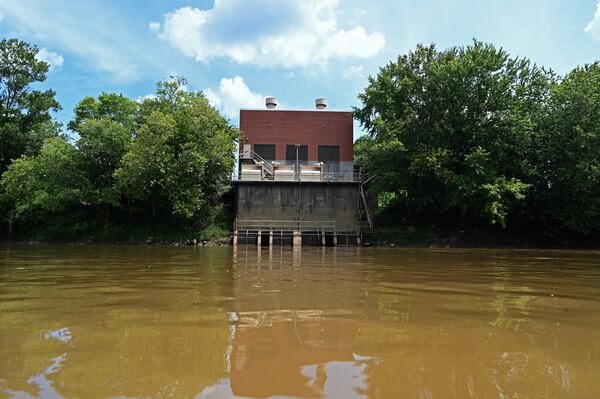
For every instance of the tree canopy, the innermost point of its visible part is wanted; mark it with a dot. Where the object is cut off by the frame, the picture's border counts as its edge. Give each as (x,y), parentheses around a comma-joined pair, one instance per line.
(168,158)
(25,113)
(471,136)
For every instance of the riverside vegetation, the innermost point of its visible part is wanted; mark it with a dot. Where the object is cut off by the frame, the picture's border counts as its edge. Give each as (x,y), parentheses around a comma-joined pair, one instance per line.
(468,141)
(159,167)
(471,143)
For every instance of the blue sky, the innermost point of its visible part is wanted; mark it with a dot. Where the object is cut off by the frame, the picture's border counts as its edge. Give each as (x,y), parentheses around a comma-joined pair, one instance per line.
(239,51)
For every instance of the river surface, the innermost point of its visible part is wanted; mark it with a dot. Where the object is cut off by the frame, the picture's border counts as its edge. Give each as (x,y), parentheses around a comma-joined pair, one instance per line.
(182,322)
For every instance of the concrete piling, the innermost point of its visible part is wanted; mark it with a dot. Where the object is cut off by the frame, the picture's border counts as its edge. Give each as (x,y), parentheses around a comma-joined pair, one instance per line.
(297,239)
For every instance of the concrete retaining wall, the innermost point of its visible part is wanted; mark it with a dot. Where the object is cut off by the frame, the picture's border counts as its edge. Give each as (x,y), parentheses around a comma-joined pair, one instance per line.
(311,201)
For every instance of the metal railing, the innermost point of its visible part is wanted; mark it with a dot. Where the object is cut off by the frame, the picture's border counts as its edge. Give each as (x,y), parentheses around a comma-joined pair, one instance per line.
(342,177)
(288,171)
(284,225)
(267,166)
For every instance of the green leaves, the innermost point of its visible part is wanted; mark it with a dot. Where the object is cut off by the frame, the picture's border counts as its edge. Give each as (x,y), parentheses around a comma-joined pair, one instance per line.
(170,156)
(48,182)
(146,168)
(111,106)
(567,158)
(25,119)
(182,157)
(464,119)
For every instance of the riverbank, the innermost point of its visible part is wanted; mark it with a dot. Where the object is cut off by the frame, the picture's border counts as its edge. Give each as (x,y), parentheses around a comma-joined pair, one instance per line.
(394,237)
(385,235)
(130,234)
(436,237)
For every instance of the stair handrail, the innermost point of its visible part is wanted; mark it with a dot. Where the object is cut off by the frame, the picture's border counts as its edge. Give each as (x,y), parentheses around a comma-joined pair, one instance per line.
(366,207)
(268,166)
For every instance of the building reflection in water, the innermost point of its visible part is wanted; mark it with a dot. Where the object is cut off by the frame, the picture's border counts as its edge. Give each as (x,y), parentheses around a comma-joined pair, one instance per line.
(281,344)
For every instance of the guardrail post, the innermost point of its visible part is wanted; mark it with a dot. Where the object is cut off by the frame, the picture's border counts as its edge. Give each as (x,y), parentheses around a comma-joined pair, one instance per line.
(271,238)
(334,239)
(235,238)
(259,239)
(323,241)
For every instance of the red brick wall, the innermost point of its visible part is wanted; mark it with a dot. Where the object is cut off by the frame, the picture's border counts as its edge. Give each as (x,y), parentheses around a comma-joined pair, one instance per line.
(314,128)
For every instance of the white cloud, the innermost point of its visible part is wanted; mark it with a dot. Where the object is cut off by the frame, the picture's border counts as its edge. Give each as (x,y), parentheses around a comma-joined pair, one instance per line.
(353,71)
(55,60)
(213,97)
(593,27)
(286,33)
(233,94)
(67,26)
(155,26)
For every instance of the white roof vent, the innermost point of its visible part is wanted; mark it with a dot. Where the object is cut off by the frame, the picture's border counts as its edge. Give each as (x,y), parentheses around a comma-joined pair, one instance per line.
(271,102)
(321,103)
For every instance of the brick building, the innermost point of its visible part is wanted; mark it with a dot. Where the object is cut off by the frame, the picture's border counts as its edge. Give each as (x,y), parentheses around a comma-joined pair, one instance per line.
(297,175)
(296,145)
(322,135)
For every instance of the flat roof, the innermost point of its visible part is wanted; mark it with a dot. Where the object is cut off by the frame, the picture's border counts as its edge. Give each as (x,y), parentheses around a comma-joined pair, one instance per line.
(294,110)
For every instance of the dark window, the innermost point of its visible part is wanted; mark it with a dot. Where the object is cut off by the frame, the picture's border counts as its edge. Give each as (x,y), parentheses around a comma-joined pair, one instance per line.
(266,151)
(329,153)
(290,152)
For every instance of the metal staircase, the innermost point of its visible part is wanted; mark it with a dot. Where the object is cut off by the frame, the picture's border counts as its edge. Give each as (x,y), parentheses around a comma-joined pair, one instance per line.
(365,220)
(267,167)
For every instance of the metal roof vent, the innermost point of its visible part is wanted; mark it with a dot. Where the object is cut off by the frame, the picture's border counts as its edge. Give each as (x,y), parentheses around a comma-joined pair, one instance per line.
(321,103)
(271,102)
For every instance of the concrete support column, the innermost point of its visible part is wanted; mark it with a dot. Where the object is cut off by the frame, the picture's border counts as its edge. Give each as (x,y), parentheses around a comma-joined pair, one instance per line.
(259,239)
(270,238)
(297,239)
(323,241)
(235,238)
(358,240)
(334,239)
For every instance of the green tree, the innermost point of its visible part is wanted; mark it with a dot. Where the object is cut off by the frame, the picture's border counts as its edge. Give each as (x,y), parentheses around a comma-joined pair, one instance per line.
(146,169)
(202,146)
(101,146)
(450,131)
(567,156)
(112,106)
(48,183)
(25,119)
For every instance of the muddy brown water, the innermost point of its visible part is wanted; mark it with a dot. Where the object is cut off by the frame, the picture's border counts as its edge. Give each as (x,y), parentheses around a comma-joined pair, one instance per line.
(175,322)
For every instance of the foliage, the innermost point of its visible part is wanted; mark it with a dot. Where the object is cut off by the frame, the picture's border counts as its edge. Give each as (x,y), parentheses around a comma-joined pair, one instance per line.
(101,145)
(50,182)
(450,131)
(111,106)
(25,119)
(168,157)
(146,169)
(567,156)
(196,153)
